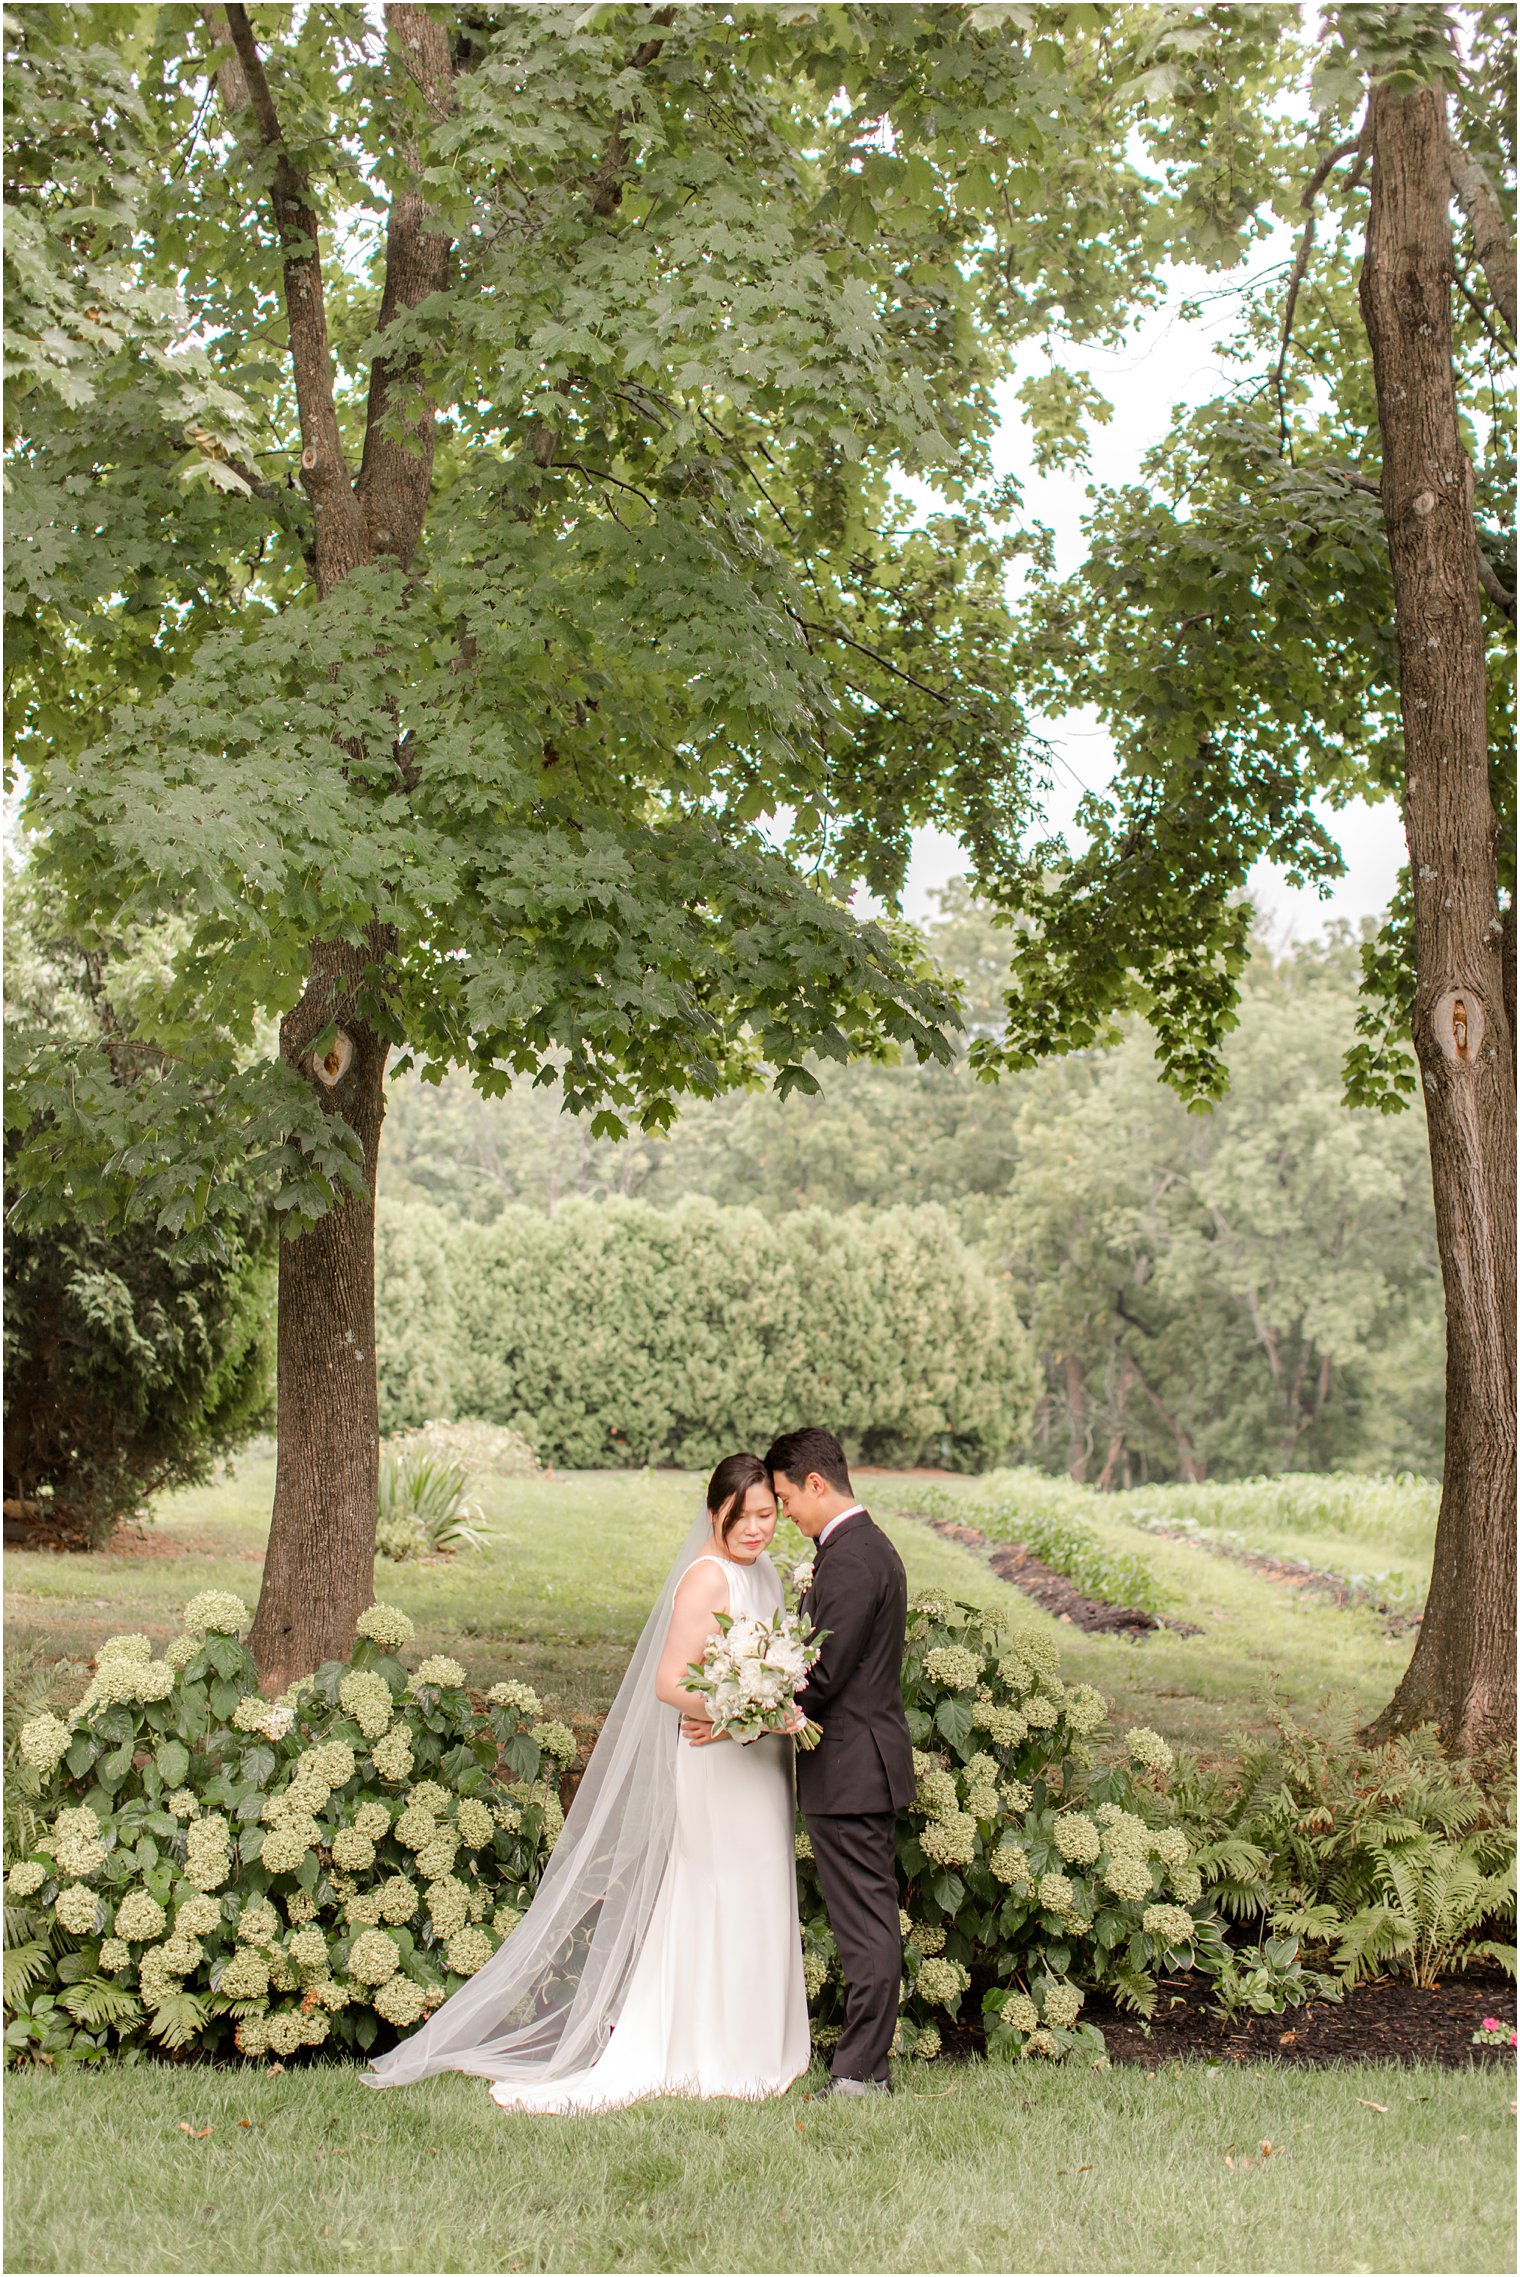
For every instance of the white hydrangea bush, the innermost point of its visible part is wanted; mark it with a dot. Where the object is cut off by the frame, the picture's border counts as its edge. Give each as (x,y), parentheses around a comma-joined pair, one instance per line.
(192,1865)
(1039,1859)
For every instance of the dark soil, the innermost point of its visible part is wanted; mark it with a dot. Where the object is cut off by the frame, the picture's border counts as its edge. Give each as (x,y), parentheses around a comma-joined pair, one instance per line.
(1390,2021)
(1010,1561)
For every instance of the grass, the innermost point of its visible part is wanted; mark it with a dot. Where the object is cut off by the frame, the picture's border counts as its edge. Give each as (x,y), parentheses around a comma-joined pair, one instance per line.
(968,2168)
(1262,1642)
(560,1593)
(1376,1531)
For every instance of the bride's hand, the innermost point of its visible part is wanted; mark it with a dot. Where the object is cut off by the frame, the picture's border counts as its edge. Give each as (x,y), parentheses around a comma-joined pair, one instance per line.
(794,1723)
(699,1731)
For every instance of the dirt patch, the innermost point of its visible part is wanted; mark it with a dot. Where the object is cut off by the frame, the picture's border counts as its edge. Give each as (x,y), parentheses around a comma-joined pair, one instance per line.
(1390,2021)
(126,1542)
(1052,1591)
(1297,1573)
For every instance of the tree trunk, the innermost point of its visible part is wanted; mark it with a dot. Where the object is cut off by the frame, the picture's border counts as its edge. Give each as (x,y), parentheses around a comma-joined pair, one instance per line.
(1076,1420)
(1120,1429)
(320,1564)
(1462,1675)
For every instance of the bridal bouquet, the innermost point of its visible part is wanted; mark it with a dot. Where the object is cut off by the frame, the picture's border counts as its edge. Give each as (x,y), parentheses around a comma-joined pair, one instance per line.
(750,1672)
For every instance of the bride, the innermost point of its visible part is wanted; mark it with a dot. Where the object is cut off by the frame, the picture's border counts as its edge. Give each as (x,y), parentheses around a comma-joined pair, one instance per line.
(661,1953)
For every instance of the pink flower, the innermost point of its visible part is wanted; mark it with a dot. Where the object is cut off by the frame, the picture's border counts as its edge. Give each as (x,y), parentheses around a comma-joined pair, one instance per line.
(1492,2024)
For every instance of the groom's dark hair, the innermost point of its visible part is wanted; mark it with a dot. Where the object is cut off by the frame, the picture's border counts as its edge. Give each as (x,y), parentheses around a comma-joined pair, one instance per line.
(799,1452)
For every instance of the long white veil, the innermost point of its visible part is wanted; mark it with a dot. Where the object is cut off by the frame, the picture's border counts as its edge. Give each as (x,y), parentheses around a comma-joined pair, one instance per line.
(546,2001)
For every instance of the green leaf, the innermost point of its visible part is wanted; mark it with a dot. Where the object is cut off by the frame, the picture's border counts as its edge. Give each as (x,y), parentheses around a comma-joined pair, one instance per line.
(173,1760)
(113,1768)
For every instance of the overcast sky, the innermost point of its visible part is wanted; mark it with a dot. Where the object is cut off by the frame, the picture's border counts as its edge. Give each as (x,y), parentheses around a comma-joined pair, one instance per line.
(1165,361)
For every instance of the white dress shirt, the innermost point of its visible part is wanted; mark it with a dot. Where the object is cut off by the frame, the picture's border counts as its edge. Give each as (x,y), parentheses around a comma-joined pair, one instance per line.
(839,1521)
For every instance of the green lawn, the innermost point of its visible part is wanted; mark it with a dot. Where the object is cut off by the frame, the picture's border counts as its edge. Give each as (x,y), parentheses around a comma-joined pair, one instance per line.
(968,2168)
(559,1596)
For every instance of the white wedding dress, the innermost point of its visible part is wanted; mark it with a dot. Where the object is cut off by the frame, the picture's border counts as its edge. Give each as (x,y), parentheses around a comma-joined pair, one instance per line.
(716,2003)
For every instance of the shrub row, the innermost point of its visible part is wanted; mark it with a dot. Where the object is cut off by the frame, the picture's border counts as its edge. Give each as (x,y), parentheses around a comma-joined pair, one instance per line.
(614,1333)
(192,1866)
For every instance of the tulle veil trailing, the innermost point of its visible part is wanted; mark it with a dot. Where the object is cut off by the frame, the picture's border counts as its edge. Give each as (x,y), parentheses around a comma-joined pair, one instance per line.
(546,2002)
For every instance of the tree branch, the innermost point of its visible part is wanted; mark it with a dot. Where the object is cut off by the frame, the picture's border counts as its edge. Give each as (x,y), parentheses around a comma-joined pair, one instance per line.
(1480,311)
(832,632)
(1491,238)
(1489,580)
(607,181)
(606,190)
(396,474)
(341,543)
(1316,183)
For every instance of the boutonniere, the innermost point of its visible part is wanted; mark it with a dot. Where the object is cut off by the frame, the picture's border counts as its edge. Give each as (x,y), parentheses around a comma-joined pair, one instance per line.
(802,1576)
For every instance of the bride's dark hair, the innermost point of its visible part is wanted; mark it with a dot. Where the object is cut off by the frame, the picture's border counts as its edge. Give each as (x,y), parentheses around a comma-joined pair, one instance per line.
(730,1483)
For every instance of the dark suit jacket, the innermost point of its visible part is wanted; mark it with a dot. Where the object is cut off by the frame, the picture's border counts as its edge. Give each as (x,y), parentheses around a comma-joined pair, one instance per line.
(859,1593)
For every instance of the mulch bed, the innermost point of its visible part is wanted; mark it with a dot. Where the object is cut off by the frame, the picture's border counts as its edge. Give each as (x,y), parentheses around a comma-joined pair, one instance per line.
(1390,2021)
(1010,1561)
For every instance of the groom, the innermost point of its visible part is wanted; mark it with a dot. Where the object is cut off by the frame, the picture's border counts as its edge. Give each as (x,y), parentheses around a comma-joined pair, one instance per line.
(855,1781)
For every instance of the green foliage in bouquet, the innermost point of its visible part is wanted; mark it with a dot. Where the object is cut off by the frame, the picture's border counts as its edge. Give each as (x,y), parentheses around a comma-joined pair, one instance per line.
(1062,1542)
(193,1866)
(1031,1871)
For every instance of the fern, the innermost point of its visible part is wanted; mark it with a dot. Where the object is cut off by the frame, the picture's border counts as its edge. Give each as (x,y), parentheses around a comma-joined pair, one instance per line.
(1234,1874)
(177,2020)
(1133,1989)
(96,2001)
(1434,1898)
(1371,1937)
(24,1965)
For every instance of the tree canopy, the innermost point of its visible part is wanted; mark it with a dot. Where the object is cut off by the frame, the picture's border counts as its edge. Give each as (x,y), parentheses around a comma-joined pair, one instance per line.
(665,300)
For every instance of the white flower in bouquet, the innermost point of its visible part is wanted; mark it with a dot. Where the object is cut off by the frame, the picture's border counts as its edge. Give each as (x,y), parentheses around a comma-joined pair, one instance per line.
(750,1673)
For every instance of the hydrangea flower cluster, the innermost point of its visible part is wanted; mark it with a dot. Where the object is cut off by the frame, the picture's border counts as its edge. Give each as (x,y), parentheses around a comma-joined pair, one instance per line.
(954,1667)
(942,1981)
(126,1674)
(312,1871)
(1019,1842)
(387,1626)
(367,1698)
(44,1742)
(77,1846)
(1149,1749)
(216,1612)
(439,1670)
(271,1717)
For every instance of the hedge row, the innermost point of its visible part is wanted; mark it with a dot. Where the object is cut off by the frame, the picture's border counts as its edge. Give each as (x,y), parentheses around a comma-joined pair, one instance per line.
(614,1333)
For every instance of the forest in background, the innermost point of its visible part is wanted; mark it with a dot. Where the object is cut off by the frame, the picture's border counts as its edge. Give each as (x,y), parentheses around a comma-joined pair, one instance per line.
(1246,1290)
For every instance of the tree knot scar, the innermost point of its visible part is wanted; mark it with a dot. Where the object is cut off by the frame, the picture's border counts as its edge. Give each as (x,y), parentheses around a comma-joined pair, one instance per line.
(331,1066)
(308,458)
(1458,1021)
(1425,503)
